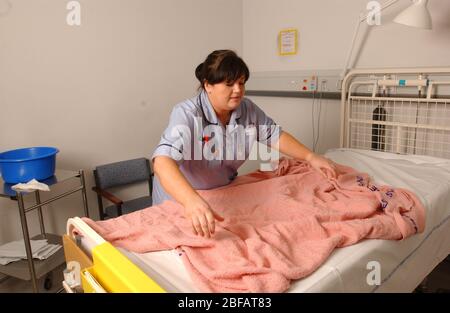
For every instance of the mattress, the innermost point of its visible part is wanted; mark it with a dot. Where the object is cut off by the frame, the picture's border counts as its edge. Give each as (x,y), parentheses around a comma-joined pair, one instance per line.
(402,264)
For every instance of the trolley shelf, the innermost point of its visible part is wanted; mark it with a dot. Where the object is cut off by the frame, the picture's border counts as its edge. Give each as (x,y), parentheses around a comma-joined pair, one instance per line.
(20,268)
(36,269)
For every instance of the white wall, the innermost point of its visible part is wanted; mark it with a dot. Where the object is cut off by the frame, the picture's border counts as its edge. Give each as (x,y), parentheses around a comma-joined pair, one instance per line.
(325,33)
(103,91)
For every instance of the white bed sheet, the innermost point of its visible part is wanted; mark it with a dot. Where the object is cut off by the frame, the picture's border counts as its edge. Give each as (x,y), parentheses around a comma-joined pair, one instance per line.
(403,264)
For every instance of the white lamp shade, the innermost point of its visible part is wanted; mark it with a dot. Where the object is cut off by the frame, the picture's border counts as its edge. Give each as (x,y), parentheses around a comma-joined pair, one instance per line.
(416,15)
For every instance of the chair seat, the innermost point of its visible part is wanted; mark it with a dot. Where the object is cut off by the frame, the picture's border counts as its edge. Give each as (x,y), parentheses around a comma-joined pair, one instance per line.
(129,206)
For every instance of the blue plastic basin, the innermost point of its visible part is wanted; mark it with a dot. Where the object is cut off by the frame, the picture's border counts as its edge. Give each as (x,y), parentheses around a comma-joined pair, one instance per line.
(22,165)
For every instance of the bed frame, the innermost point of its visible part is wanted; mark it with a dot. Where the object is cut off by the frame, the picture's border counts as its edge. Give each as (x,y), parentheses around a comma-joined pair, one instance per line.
(402,111)
(96,266)
(397,110)
(405,111)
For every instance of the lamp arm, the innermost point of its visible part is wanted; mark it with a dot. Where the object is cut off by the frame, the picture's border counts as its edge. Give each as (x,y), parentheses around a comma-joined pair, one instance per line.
(361,18)
(352,46)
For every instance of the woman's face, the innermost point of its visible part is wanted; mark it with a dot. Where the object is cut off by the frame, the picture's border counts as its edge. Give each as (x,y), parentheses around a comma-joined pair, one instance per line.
(226,96)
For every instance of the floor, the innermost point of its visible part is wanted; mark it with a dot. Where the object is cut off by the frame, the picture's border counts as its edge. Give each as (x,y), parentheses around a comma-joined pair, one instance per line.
(437,282)
(439,279)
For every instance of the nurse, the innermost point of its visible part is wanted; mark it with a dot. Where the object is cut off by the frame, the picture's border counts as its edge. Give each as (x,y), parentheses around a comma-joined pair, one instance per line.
(211,135)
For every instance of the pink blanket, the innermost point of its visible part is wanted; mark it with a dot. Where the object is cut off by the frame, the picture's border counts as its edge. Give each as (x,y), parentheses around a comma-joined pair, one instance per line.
(279,226)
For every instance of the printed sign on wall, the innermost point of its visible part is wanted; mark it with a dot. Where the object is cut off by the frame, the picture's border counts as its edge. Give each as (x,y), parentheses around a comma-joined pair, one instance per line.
(287,41)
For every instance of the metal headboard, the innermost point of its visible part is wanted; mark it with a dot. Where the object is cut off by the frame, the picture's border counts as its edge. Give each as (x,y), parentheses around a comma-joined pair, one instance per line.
(405,111)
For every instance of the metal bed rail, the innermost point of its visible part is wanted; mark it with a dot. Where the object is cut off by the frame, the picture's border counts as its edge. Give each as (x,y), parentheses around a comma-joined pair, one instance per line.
(388,120)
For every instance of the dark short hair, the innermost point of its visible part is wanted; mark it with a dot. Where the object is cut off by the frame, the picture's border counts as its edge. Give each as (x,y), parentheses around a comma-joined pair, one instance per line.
(221,66)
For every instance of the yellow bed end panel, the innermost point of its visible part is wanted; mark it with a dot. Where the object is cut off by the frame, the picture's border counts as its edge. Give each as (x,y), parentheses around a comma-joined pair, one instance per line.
(116,273)
(89,282)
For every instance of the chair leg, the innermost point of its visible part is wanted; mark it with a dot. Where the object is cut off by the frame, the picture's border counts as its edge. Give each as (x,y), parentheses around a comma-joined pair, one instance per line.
(100,208)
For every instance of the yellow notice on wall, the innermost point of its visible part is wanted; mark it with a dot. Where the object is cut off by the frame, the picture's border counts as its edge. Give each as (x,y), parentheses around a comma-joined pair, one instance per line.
(288,41)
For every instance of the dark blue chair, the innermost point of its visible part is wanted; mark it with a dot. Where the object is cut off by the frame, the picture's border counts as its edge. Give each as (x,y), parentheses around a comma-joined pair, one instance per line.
(121,174)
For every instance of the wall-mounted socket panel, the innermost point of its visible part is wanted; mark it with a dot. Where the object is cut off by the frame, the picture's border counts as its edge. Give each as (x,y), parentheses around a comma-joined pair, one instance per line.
(307,81)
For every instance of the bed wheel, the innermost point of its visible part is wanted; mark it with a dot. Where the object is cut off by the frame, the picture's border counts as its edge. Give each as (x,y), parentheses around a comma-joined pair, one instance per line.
(48,282)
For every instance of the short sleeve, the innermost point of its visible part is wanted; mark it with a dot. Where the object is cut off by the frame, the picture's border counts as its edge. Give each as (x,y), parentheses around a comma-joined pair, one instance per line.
(175,141)
(268,131)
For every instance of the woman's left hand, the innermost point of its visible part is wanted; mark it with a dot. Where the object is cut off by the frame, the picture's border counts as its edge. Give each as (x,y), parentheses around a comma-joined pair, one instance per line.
(325,166)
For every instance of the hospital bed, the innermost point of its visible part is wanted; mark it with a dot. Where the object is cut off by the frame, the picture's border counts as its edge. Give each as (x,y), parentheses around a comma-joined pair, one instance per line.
(399,134)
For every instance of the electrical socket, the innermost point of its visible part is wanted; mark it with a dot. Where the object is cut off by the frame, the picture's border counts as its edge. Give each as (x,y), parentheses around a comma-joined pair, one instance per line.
(309,83)
(323,85)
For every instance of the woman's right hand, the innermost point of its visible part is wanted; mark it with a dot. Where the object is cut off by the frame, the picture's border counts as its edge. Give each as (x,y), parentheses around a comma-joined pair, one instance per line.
(201,215)
(196,209)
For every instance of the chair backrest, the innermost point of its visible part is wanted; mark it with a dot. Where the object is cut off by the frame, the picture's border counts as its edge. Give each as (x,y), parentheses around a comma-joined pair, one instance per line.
(122,173)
